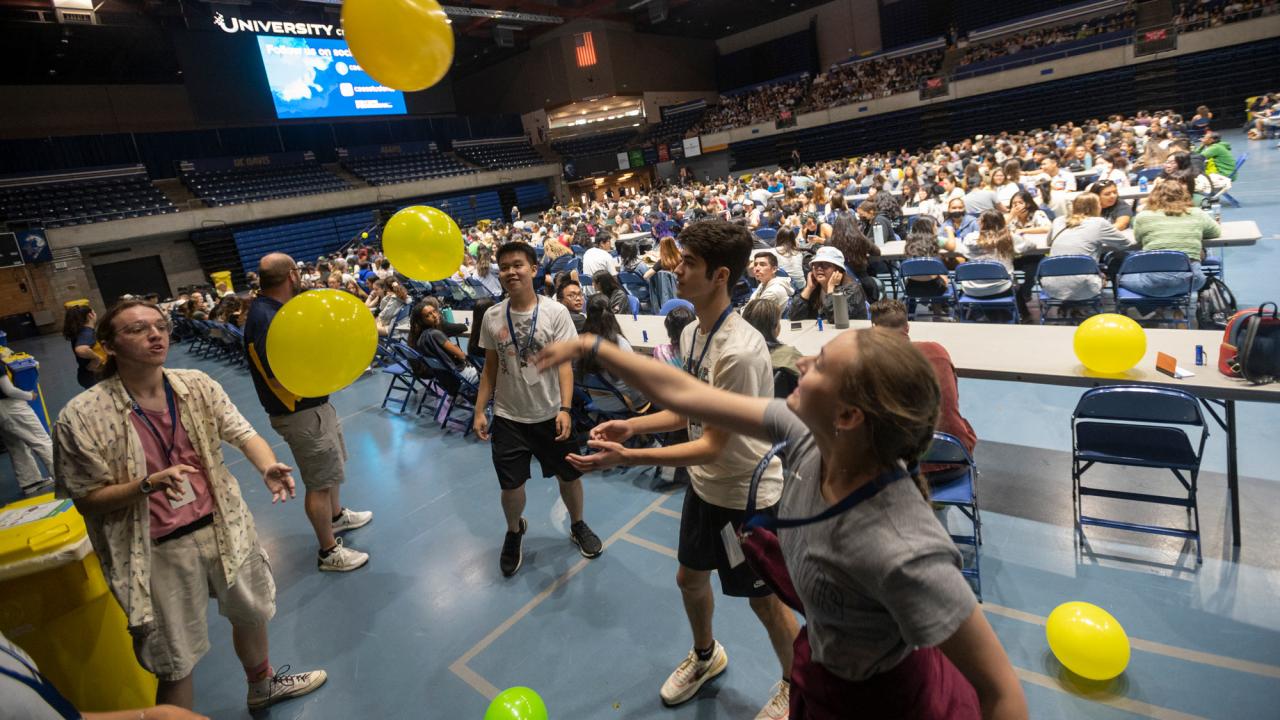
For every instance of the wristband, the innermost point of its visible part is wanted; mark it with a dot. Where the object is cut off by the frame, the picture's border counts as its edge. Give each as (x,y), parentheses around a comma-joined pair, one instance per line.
(594,351)
(565,409)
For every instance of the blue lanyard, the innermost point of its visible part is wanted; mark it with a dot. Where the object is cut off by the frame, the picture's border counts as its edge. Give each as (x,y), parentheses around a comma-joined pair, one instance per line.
(848,502)
(41,686)
(533,326)
(173,420)
(689,367)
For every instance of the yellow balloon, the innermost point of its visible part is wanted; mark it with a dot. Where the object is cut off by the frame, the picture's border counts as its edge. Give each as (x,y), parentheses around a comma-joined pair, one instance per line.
(320,342)
(423,243)
(403,44)
(1087,640)
(1110,343)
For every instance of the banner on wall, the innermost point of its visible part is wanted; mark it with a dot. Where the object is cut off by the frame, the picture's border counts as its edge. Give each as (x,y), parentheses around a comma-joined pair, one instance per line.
(692,147)
(637,158)
(34,246)
(663,153)
(624,161)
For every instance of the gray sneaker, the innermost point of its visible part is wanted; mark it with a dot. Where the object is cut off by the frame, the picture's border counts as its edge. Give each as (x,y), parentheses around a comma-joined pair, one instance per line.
(342,559)
(284,685)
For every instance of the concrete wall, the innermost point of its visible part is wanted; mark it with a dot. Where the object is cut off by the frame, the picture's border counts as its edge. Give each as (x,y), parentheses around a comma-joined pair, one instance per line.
(844,27)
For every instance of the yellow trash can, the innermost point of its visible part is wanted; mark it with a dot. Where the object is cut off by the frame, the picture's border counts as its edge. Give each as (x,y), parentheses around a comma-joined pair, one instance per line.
(73,303)
(55,604)
(222,276)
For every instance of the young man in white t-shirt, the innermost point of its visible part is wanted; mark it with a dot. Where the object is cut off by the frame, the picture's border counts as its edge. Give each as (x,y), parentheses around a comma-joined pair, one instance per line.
(531,410)
(725,350)
(600,257)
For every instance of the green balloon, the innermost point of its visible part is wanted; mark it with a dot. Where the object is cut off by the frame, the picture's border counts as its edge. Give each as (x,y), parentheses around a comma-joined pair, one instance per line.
(517,703)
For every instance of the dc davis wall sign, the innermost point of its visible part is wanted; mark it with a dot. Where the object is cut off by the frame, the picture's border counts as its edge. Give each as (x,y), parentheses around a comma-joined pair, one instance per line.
(276,27)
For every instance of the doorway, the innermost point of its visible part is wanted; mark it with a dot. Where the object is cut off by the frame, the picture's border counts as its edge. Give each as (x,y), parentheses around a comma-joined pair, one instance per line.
(139,276)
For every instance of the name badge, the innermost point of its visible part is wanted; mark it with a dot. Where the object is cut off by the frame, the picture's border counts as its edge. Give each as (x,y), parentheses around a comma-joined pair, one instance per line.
(732,548)
(188,495)
(531,375)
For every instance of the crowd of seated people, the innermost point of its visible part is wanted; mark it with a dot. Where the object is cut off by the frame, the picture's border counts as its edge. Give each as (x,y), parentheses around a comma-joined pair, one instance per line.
(876,78)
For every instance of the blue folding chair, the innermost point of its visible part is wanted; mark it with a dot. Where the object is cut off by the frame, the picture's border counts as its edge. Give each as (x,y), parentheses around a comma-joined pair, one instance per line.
(404,382)
(674,303)
(479,289)
(1066,266)
(1149,261)
(1138,426)
(636,286)
(1226,197)
(983,306)
(959,490)
(926,267)
(633,303)
(768,235)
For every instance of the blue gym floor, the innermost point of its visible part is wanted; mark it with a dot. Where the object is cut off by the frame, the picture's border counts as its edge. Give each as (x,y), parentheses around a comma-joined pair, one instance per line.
(430,628)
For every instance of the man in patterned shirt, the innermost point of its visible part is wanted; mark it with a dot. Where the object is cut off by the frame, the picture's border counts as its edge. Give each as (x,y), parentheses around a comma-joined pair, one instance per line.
(141,455)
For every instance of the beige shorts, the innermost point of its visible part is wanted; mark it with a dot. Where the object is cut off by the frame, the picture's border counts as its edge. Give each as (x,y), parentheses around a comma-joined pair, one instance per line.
(185,573)
(315,437)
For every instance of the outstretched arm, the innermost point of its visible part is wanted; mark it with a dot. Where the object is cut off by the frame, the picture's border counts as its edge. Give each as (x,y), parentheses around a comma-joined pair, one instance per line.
(671,388)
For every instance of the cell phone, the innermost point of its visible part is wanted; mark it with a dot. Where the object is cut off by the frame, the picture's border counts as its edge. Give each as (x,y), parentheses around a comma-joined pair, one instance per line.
(795,325)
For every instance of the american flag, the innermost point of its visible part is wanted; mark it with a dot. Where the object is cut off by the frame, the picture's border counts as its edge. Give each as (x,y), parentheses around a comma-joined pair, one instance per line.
(585,49)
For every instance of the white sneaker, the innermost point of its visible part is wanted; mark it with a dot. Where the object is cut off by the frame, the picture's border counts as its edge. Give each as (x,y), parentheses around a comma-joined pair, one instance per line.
(342,559)
(351,519)
(691,674)
(283,686)
(779,705)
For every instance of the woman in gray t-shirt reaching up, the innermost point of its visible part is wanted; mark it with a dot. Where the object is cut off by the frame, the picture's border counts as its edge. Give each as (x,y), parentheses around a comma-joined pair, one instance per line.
(893,627)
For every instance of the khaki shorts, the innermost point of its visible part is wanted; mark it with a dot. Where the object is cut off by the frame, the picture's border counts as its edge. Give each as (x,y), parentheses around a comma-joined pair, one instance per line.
(315,437)
(185,573)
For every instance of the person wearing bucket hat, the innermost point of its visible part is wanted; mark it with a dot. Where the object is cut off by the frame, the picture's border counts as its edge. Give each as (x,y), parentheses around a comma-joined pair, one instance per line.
(828,276)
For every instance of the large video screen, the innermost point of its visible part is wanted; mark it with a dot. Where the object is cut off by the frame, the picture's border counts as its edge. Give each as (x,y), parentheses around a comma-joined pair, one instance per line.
(315,78)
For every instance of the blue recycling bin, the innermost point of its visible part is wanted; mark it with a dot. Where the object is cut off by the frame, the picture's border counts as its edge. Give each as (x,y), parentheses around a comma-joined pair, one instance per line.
(24,372)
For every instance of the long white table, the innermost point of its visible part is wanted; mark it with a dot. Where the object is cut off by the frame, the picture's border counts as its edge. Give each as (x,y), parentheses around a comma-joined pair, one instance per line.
(1235,233)
(1043,354)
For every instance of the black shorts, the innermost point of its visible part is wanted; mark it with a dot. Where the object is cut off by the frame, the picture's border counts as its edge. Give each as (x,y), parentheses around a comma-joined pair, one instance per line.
(701,547)
(514,443)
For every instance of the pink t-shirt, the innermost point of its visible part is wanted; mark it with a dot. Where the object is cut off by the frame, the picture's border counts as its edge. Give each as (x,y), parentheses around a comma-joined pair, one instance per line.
(164,518)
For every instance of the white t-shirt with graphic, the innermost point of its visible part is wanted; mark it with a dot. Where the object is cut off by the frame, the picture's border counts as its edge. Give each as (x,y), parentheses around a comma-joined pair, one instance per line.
(514,397)
(737,361)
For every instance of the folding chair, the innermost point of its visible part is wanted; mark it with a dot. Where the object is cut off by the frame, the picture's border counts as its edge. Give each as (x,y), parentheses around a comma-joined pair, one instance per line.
(1227,199)
(959,491)
(1066,266)
(1149,261)
(404,381)
(479,289)
(1137,426)
(674,303)
(967,304)
(767,235)
(926,267)
(633,303)
(637,287)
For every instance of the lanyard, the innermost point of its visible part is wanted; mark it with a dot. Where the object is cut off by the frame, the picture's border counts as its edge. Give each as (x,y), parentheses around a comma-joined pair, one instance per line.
(173,420)
(533,326)
(689,367)
(848,502)
(41,686)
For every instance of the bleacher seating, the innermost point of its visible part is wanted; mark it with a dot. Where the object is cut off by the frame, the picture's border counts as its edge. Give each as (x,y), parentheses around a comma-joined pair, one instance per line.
(241,185)
(587,145)
(495,154)
(406,167)
(675,124)
(300,238)
(78,198)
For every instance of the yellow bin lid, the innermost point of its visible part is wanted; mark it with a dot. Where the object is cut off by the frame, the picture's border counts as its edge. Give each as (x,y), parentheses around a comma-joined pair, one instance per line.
(39,533)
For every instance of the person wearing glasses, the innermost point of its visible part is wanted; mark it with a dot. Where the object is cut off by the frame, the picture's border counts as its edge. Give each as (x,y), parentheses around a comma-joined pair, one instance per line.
(140,454)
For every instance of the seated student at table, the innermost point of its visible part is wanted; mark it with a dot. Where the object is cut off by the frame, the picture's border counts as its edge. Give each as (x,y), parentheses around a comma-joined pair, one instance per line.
(924,241)
(569,294)
(475,353)
(982,197)
(767,318)
(1114,166)
(606,284)
(1116,211)
(790,256)
(907,638)
(892,314)
(1059,178)
(603,323)
(1217,154)
(1083,232)
(674,322)
(827,275)
(1007,180)
(958,222)
(429,339)
(770,287)
(629,258)
(994,243)
(875,224)
(1079,159)
(1169,222)
(859,256)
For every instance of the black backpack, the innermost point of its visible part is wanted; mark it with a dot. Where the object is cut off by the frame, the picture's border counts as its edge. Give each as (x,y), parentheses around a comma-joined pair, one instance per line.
(1215,306)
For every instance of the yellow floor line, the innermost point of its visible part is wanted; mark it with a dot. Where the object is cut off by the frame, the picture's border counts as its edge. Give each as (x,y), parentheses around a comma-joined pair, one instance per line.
(668,512)
(1120,703)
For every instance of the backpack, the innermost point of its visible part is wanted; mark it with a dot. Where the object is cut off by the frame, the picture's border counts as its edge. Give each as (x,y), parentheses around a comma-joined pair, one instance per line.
(1215,305)
(1251,345)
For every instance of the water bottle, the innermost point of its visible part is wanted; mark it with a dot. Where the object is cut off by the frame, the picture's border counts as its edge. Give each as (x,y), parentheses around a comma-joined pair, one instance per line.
(1142,184)
(840,309)
(1215,208)
(448,315)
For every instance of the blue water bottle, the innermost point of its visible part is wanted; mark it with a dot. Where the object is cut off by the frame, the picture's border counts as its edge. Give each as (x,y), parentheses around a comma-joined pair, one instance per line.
(1199,355)
(644,335)
(1142,184)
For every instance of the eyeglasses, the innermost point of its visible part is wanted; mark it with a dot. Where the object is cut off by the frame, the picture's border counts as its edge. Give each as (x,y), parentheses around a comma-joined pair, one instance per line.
(142,328)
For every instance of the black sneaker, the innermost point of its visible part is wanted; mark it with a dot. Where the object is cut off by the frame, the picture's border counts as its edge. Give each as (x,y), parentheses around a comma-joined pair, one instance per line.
(512,557)
(588,543)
